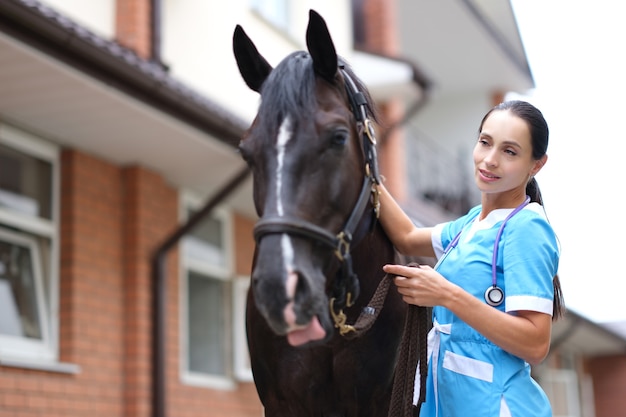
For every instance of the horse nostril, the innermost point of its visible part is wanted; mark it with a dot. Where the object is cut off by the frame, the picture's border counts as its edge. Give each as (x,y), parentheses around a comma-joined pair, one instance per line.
(302,289)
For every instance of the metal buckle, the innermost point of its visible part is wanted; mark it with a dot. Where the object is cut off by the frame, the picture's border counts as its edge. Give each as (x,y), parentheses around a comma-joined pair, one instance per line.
(369,131)
(340,318)
(343,245)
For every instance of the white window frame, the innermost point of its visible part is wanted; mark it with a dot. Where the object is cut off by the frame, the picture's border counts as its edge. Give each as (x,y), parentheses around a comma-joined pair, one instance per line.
(17,346)
(28,353)
(568,380)
(224,273)
(242,369)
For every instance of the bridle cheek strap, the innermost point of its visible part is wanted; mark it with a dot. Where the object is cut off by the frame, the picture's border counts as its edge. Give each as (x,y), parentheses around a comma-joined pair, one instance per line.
(346,286)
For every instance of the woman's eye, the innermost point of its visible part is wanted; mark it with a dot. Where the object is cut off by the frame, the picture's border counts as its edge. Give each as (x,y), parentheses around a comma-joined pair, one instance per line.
(510,152)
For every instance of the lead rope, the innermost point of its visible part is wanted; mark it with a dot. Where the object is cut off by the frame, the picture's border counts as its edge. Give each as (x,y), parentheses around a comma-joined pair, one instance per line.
(368,314)
(413,350)
(413,347)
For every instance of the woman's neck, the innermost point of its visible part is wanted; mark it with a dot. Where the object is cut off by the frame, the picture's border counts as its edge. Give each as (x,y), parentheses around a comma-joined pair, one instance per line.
(510,200)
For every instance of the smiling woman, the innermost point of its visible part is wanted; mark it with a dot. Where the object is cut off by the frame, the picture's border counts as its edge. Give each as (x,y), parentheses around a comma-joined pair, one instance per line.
(494,290)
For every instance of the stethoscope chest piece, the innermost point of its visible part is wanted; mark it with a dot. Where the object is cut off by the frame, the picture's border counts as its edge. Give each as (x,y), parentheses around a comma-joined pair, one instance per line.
(494,296)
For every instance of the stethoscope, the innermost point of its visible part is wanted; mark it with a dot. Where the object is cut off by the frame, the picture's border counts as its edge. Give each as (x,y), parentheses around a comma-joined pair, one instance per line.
(494,295)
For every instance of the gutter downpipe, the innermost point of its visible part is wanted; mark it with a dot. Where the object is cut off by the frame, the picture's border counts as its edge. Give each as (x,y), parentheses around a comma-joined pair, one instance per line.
(159,292)
(155,31)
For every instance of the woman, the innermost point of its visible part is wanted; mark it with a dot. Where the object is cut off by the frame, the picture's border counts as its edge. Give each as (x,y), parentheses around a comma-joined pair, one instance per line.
(489,323)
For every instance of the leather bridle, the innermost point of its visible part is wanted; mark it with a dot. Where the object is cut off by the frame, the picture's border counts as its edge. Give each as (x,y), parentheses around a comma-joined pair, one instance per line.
(346,286)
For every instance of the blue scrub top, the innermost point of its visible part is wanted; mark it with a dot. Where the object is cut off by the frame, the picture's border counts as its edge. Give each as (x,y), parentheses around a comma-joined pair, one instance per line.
(469,375)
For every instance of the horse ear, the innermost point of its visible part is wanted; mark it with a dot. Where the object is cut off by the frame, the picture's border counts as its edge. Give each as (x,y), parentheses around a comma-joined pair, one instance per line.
(253,67)
(321,47)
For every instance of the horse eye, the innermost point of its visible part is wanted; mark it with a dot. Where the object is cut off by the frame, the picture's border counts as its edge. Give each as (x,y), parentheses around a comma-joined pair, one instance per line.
(245,154)
(338,138)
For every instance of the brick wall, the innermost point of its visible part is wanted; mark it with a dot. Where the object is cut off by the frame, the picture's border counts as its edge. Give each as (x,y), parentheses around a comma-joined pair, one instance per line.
(132,21)
(244,242)
(609,381)
(112,219)
(380,26)
(381,36)
(151,213)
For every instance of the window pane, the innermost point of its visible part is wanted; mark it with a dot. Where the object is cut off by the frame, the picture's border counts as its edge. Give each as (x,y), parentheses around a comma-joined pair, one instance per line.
(207,324)
(205,242)
(19,314)
(25,183)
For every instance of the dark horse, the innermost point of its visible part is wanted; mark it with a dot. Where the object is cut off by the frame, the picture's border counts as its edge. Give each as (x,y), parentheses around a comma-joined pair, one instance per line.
(319,250)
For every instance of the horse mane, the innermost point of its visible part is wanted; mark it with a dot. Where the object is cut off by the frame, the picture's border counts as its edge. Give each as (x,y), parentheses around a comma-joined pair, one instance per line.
(289,89)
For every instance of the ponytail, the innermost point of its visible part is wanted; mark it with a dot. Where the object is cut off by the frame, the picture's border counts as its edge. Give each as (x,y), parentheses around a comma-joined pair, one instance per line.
(558,303)
(532,190)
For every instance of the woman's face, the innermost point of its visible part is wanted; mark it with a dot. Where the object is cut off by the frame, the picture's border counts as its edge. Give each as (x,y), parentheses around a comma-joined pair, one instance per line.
(503,154)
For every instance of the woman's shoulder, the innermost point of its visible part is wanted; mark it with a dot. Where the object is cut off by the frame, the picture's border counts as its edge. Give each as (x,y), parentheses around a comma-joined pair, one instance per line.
(533,212)
(531,222)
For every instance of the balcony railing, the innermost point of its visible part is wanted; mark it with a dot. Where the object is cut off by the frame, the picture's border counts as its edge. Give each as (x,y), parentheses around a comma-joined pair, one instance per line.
(438,174)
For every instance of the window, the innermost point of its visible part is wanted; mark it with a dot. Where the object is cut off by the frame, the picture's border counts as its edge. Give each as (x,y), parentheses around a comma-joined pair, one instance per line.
(561,387)
(211,306)
(242,368)
(275,12)
(21,297)
(207,324)
(28,248)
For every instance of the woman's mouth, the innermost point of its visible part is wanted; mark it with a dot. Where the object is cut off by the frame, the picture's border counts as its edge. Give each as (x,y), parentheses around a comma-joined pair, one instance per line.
(487,176)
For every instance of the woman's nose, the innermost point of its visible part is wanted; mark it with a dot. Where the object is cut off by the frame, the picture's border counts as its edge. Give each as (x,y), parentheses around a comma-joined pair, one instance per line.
(491,159)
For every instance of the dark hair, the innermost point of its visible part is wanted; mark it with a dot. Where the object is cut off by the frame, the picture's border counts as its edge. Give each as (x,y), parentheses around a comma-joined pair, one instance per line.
(539,133)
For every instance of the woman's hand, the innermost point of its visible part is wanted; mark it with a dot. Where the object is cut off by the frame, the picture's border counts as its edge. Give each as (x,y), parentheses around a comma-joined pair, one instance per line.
(422,286)
(525,334)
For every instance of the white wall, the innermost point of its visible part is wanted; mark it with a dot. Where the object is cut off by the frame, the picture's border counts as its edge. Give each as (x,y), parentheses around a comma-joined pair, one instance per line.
(197,39)
(453,121)
(95,15)
(197,43)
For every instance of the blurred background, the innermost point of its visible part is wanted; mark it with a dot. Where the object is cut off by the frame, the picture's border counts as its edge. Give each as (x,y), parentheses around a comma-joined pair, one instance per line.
(126,214)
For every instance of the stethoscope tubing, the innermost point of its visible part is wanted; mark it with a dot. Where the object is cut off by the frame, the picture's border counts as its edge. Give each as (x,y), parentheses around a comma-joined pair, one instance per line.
(494,295)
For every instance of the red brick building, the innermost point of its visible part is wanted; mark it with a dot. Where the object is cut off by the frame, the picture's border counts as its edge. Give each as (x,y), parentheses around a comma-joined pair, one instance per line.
(83,208)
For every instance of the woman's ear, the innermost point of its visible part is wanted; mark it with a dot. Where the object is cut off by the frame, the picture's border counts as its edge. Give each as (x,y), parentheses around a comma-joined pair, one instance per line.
(539,163)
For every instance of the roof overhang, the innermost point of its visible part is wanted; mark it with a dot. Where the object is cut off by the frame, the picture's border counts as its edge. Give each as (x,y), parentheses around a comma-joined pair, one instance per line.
(465,45)
(73,88)
(70,87)
(574,333)
(390,77)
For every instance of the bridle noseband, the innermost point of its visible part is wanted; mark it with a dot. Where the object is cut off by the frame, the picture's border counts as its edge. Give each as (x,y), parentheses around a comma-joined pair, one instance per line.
(346,286)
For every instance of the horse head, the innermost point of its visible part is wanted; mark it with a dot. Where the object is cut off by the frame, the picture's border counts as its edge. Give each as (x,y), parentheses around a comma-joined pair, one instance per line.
(313,173)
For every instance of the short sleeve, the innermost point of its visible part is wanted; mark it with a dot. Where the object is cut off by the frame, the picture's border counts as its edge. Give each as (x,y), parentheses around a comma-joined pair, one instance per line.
(530,259)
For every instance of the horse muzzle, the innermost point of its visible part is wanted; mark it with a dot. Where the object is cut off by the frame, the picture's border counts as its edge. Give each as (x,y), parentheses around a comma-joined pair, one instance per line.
(291,294)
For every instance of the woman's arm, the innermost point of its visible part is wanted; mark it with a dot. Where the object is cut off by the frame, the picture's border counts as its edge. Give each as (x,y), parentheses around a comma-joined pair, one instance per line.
(405,236)
(525,334)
